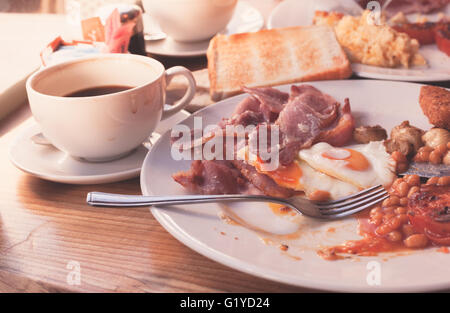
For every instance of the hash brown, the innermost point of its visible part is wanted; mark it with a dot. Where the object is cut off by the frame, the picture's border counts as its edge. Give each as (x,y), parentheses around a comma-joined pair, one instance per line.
(435,104)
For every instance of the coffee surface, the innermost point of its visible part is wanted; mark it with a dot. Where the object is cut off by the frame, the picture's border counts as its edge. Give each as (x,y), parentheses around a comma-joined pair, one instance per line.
(98,91)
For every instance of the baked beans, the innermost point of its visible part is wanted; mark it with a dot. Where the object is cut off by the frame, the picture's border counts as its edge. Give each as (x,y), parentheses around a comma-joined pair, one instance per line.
(391,220)
(442,149)
(401,161)
(394,236)
(416,241)
(412,180)
(404,201)
(433,155)
(402,189)
(388,226)
(408,230)
(412,191)
(443,181)
(423,154)
(391,201)
(376,210)
(446,158)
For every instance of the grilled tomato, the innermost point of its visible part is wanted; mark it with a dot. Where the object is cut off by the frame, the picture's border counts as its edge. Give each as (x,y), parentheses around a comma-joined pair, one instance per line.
(424,33)
(442,37)
(429,212)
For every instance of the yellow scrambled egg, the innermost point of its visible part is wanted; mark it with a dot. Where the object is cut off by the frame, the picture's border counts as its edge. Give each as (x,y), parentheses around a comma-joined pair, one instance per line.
(368,43)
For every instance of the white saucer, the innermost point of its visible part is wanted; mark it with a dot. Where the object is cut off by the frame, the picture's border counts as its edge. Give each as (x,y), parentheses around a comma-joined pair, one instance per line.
(245,19)
(49,163)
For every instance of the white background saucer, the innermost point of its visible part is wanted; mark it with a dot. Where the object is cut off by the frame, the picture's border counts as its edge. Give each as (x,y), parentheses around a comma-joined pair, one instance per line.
(299,13)
(245,19)
(49,163)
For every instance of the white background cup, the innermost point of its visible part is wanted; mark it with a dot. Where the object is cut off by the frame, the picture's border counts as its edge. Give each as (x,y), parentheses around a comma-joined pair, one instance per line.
(191,20)
(105,127)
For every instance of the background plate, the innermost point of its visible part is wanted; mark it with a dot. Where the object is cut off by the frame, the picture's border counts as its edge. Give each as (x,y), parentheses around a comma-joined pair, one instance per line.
(245,19)
(300,13)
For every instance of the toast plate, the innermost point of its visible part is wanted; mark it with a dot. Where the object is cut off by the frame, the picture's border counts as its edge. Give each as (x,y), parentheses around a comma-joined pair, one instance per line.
(300,13)
(252,246)
(245,19)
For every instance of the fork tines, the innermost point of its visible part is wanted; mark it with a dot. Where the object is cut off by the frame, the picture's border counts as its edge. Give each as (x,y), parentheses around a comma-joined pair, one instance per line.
(357,201)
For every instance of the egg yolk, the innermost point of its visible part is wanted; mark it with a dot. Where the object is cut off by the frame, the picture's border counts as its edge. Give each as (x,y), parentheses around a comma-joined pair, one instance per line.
(355,160)
(284,175)
(281,210)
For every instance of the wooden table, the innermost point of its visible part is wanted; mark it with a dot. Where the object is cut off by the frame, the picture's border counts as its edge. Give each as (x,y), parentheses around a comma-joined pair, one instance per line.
(47,230)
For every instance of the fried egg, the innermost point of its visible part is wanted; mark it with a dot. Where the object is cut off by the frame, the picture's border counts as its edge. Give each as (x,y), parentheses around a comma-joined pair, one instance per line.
(360,165)
(301,177)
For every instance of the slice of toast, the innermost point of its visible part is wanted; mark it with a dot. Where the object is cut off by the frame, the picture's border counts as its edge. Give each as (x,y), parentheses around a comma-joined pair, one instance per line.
(274,57)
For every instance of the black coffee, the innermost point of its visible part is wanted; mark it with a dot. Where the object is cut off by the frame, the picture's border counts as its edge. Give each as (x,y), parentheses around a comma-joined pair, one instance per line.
(98,91)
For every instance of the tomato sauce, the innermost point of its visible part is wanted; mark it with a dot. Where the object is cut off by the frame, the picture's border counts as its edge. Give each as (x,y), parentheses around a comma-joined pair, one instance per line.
(392,227)
(370,245)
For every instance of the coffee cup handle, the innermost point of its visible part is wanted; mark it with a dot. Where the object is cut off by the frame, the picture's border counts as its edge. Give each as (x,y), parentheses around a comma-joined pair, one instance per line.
(183,102)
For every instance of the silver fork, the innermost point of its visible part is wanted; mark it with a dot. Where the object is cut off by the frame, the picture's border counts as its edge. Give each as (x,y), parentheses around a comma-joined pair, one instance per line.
(325,210)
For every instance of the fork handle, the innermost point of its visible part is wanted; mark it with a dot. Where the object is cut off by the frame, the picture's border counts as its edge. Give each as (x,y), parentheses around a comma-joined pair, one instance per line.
(118,200)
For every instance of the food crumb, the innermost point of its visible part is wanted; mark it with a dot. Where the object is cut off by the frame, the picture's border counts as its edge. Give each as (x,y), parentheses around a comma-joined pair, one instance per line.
(329,254)
(443,250)
(222,233)
(331,230)
(236,238)
(284,247)
(297,258)
(227,219)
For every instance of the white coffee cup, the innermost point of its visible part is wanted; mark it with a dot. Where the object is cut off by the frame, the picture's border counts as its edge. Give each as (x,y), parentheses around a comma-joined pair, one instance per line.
(191,20)
(104,127)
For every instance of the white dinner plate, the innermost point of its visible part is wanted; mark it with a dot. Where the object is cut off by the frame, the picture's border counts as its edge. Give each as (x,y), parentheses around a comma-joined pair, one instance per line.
(49,163)
(245,19)
(300,13)
(257,252)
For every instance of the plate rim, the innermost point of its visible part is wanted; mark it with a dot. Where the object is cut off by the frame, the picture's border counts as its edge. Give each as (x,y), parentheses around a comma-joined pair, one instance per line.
(170,53)
(274,11)
(411,79)
(255,270)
